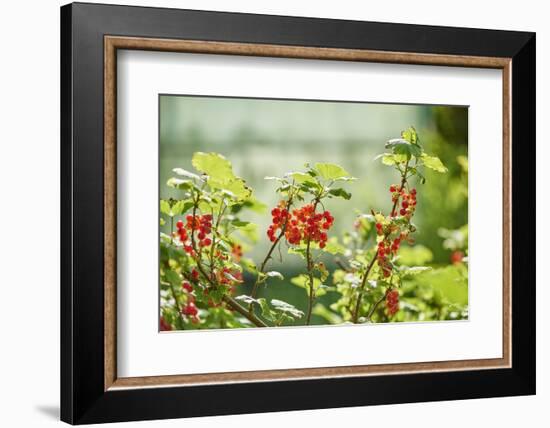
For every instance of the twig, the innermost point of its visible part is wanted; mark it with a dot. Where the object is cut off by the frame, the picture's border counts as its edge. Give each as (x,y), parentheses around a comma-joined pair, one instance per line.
(371,264)
(232,303)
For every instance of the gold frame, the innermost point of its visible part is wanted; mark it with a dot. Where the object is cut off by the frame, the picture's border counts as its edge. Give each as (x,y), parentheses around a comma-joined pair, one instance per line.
(113,43)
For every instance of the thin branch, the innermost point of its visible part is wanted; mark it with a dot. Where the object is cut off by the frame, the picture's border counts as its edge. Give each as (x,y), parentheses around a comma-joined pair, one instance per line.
(374,306)
(261,271)
(232,303)
(371,264)
(310,270)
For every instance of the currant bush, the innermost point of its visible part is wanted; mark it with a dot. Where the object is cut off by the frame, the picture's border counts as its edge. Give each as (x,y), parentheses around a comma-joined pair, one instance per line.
(204,257)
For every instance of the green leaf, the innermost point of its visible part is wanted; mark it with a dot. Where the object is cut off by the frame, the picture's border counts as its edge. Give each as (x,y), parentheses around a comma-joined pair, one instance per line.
(331,171)
(433,162)
(220,174)
(403,147)
(184,173)
(181,207)
(214,165)
(340,193)
(275,274)
(298,250)
(301,177)
(286,308)
(267,313)
(235,188)
(178,183)
(164,207)
(246,299)
(410,135)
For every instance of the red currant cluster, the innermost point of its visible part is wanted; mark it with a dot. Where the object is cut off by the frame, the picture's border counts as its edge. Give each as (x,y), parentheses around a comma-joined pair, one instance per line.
(388,246)
(190,309)
(202,225)
(304,224)
(280,216)
(408,200)
(237,252)
(224,276)
(392,301)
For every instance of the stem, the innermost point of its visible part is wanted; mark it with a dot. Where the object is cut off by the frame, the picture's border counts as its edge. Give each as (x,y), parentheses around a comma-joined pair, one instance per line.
(172,289)
(371,264)
(267,257)
(373,308)
(310,271)
(233,304)
(228,300)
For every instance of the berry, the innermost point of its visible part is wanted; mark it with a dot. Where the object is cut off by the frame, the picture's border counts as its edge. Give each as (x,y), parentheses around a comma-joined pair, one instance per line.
(164,326)
(194,274)
(179,224)
(190,309)
(456,257)
(392,301)
(186,286)
(302,225)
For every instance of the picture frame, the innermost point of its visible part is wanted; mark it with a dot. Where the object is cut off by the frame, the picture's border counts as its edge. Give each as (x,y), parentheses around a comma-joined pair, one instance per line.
(91,35)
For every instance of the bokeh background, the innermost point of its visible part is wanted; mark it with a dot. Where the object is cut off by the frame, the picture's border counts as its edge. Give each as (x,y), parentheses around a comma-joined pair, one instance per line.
(266,137)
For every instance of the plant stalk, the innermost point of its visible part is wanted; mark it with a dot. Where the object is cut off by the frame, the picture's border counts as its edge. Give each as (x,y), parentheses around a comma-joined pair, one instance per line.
(355,316)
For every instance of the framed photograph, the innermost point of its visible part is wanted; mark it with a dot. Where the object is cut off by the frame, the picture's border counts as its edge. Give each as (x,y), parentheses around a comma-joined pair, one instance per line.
(291,213)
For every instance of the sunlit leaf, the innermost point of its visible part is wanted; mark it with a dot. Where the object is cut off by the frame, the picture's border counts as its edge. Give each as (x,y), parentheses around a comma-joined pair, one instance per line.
(275,274)
(184,173)
(400,146)
(331,171)
(285,307)
(340,193)
(433,162)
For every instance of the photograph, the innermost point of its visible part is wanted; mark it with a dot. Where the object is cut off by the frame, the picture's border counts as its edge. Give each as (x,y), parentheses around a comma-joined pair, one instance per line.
(293,213)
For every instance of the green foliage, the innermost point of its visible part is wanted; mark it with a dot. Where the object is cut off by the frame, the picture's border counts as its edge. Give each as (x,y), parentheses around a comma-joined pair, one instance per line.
(342,279)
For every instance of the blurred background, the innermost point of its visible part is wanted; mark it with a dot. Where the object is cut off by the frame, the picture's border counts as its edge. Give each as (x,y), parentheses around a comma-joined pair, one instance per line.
(265,137)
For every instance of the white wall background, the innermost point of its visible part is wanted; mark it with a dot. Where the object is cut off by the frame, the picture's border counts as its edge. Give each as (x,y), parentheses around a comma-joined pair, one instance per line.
(29,214)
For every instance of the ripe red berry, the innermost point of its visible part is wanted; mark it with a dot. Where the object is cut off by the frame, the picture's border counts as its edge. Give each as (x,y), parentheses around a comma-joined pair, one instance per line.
(179,224)
(402,211)
(190,309)
(392,189)
(392,301)
(194,274)
(164,326)
(456,257)
(187,286)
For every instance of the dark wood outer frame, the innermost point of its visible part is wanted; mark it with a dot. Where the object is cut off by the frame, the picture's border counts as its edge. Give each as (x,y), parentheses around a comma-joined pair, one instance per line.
(87,393)
(113,43)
